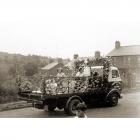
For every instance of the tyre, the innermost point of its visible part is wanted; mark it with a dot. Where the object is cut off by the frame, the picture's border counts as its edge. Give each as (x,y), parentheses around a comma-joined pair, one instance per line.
(112,100)
(49,108)
(72,106)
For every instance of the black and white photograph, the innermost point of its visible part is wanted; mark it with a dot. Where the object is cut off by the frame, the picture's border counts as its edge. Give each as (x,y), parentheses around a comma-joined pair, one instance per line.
(69,59)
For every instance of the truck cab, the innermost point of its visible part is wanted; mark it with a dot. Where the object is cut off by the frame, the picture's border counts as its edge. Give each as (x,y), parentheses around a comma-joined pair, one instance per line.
(114,75)
(114,78)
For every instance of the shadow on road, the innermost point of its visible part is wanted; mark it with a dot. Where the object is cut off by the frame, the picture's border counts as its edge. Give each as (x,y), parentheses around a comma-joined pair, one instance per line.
(57,114)
(61,114)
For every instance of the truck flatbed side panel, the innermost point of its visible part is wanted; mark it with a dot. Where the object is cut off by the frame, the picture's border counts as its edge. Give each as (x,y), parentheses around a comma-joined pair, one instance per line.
(41,96)
(30,96)
(64,95)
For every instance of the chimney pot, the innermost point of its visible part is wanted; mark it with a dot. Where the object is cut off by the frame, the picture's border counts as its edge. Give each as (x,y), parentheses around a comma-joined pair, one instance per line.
(60,60)
(117,44)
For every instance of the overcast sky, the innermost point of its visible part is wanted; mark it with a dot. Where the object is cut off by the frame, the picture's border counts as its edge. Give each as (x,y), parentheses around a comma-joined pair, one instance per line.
(60,28)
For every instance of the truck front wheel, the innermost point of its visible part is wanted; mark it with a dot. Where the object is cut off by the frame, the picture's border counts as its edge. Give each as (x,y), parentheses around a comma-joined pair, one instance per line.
(112,100)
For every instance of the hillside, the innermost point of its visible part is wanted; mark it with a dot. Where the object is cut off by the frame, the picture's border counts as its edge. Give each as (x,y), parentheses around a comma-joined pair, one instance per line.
(12,65)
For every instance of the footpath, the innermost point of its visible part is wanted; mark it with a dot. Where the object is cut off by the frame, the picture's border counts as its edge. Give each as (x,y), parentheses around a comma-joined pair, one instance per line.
(131,90)
(14,105)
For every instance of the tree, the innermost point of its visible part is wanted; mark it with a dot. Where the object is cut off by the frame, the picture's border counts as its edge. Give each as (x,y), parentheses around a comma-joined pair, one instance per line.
(12,70)
(30,69)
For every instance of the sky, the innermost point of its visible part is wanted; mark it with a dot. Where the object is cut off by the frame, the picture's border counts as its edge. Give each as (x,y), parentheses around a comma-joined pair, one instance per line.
(61,28)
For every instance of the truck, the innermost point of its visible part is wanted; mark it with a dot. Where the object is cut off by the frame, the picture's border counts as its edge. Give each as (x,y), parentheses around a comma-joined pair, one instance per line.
(94,89)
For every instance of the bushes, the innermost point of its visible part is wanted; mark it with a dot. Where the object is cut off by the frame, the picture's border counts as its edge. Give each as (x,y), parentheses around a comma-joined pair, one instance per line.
(30,69)
(12,65)
(8,91)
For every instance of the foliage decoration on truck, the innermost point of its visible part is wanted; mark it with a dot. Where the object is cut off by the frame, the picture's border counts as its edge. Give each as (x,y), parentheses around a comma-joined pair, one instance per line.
(74,83)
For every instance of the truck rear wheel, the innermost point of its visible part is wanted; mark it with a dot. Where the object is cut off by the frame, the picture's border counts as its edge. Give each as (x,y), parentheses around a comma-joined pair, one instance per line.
(66,110)
(112,99)
(51,108)
(72,106)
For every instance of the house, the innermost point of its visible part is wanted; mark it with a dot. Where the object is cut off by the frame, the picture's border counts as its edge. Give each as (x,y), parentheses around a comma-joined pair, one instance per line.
(51,69)
(126,58)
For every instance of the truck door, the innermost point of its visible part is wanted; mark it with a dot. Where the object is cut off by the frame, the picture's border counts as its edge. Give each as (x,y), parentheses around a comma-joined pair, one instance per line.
(114,76)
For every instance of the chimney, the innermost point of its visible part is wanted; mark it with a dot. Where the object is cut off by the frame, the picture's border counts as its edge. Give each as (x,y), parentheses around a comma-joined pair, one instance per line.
(117,44)
(97,55)
(60,60)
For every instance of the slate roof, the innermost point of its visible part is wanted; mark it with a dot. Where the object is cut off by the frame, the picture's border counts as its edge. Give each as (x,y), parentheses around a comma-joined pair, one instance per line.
(125,51)
(50,66)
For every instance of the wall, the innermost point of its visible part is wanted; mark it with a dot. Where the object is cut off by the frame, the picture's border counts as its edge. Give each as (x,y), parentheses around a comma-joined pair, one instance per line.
(126,62)
(127,66)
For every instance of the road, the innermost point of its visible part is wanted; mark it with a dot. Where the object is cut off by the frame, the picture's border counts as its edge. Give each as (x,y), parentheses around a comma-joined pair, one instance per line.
(128,107)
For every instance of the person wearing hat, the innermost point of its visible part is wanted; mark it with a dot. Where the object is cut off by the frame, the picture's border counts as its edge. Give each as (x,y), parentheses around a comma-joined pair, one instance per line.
(86,70)
(60,73)
(80,110)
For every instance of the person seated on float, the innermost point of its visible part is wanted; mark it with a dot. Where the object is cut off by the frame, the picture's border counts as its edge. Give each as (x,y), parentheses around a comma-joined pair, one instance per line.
(86,69)
(60,78)
(80,72)
(48,86)
(96,79)
(53,86)
(60,73)
(81,110)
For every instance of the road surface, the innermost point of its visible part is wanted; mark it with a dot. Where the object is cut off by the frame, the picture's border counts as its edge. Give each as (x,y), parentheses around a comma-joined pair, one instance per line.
(128,107)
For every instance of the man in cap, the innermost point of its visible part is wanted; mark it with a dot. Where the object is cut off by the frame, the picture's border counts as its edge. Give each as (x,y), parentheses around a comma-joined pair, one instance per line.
(80,72)
(80,112)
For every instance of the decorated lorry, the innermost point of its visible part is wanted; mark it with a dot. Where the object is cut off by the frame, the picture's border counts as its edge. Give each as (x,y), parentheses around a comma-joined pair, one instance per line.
(104,84)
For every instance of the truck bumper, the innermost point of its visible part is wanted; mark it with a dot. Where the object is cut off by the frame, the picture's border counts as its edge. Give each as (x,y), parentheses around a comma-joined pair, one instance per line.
(121,96)
(38,104)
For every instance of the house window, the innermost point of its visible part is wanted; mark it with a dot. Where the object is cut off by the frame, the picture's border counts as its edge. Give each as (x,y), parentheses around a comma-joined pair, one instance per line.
(129,59)
(139,61)
(114,60)
(125,61)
